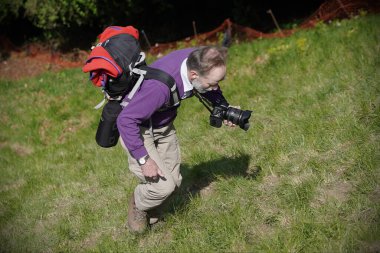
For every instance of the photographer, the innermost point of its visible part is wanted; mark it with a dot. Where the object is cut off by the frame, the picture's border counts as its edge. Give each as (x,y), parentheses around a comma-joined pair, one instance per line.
(147,132)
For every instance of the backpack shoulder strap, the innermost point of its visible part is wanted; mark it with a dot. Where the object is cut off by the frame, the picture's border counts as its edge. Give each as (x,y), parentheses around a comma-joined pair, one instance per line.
(162,76)
(144,72)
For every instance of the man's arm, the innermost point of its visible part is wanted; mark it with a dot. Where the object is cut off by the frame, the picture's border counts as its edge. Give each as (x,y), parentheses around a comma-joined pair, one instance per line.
(215,97)
(145,102)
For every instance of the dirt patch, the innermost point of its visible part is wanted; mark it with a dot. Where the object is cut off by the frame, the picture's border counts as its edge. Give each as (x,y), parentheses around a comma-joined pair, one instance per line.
(371,247)
(72,126)
(208,190)
(43,130)
(156,239)
(338,191)
(375,195)
(19,149)
(262,59)
(269,183)
(90,241)
(301,178)
(36,59)
(13,186)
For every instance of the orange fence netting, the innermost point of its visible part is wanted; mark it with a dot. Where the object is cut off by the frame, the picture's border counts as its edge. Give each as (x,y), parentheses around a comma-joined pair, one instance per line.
(333,9)
(36,58)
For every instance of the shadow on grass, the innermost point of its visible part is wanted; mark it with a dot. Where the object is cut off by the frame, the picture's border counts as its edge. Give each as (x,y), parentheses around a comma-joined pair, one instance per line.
(199,177)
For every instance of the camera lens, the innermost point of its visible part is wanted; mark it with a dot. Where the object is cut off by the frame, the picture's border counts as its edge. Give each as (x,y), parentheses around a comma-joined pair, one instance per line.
(238,117)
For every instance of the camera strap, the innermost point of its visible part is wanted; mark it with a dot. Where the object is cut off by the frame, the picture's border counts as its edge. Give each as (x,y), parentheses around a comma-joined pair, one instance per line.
(204,101)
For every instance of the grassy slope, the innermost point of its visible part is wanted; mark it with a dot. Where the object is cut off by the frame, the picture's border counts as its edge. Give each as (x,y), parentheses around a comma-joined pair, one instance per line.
(314,134)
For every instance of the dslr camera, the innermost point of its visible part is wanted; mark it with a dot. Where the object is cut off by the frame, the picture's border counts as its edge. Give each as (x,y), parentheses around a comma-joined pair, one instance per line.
(223,112)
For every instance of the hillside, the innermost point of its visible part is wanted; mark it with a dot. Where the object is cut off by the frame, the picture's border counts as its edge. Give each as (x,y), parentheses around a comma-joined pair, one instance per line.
(304,178)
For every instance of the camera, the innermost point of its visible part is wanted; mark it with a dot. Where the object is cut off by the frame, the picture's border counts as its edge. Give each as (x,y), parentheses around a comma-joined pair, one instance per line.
(236,116)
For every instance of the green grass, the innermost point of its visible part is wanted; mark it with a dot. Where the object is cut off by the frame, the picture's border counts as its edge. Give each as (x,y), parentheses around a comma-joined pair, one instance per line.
(304,178)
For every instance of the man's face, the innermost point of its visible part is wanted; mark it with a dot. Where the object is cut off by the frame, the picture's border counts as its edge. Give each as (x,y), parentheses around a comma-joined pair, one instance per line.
(210,81)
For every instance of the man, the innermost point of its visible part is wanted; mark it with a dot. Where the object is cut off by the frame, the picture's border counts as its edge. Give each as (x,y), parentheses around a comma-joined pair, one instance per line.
(147,131)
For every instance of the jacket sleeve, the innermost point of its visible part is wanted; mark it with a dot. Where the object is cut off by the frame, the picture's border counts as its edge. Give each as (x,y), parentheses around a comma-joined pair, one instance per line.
(145,102)
(215,97)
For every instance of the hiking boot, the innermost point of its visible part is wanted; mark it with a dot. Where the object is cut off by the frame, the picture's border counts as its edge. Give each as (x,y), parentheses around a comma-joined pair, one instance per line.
(137,219)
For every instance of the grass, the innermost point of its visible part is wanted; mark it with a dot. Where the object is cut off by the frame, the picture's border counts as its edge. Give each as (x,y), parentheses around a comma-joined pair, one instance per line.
(304,178)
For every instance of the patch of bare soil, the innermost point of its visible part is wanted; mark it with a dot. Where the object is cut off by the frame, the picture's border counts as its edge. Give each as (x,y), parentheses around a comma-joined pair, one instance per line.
(35,59)
(338,191)
(19,149)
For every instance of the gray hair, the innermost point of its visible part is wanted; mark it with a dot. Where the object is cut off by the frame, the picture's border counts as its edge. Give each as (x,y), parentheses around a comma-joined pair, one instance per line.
(205,58)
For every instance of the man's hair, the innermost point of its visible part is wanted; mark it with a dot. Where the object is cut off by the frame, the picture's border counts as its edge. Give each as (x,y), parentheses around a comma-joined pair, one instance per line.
(205,58)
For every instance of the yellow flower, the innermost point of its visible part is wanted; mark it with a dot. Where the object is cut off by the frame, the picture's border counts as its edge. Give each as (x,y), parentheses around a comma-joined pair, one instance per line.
(302,44)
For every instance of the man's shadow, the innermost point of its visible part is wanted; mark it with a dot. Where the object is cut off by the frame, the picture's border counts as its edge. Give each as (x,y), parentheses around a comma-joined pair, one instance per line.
(199,177)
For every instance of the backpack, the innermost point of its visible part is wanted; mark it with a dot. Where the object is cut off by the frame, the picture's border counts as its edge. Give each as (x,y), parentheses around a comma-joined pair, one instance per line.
(117,65)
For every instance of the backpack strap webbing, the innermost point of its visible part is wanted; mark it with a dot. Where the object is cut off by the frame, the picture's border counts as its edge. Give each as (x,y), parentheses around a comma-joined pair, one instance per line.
(163,77)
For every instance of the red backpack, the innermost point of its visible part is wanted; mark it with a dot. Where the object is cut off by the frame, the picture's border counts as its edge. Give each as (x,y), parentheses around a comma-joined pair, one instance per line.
(117,65)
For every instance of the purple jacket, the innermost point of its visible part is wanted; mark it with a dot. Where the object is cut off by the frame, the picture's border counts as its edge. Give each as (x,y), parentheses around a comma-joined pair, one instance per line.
(151,96)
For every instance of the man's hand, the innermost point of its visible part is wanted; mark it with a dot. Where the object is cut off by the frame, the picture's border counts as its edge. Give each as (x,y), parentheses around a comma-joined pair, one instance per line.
(229,123)
(151,171)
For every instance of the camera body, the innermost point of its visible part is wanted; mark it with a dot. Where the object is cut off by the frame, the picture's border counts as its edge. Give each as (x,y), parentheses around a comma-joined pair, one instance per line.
(224,112)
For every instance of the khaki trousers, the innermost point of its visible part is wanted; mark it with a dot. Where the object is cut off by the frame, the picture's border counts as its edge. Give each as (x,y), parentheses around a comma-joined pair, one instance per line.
(163,148)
